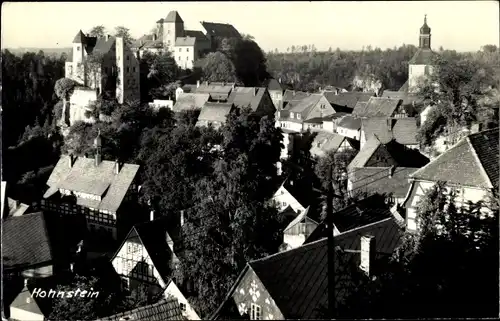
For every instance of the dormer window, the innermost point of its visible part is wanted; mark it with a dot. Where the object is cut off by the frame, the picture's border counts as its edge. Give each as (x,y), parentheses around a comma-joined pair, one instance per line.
(291,115)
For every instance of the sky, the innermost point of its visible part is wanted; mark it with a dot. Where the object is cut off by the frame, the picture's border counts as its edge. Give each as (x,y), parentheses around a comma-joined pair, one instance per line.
(458,25)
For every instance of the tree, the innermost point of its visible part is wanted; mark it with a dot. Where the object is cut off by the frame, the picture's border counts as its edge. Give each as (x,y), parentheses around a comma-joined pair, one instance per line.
(124,33)
(446,270)
(97,31)
(250,63)
(158,73)
(218,67)
(235,221)
(63,87)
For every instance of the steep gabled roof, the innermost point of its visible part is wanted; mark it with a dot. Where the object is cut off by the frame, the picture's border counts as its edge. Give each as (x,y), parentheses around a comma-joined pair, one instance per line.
(291,95)
(80,38)
(104,45)
(30,239)
(222,30)
(378,180)
(348,100)
(473,161)
(85,177)
(190,101)
(306,105)
(173,16)
(377,107)
(243,97)
(167,309)
(200,36)
(364,155)
(350,122)
(325,142)
(273,85)
(217,91)
(299,218)
(215,112)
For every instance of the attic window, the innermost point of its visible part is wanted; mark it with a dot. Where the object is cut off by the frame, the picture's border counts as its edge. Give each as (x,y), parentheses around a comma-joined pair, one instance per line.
(77,48)
(183,307)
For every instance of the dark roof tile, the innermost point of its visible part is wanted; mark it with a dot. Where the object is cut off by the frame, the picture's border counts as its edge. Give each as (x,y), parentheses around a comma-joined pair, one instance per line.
(173,16)
(378,180)
(377,107)
(168,309)
(403,130)
(222,30)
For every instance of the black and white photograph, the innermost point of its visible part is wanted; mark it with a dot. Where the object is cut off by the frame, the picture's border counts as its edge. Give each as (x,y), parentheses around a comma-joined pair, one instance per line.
(259,160)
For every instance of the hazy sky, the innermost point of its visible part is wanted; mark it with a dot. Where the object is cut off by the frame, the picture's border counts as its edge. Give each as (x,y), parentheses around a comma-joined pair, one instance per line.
(459,25)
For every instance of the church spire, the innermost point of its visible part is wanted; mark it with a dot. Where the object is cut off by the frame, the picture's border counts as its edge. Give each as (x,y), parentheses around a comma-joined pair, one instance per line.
(425,35)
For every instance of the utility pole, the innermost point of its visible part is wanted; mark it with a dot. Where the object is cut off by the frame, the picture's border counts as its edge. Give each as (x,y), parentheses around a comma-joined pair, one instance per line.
(331,245)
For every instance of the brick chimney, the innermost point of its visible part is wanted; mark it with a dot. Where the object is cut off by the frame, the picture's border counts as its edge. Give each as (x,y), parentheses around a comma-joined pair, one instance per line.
(197,84)
(367,254)
(117,167)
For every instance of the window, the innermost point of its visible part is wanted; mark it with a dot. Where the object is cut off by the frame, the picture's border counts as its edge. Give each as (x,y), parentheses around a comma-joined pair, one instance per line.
(298,116)
(183,307)
(180,49)
(284,204)
(322,106)
(255,312)
(168,32)
(77,48)
(128,57)
(128,69)
(187,49)
(291,115)
(168,42)
(179,58)
(133,69)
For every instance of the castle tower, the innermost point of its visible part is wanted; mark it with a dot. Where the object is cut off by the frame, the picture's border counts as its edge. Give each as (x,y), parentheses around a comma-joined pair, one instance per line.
(128,76)
(425,35)
(79,47)
(173,27)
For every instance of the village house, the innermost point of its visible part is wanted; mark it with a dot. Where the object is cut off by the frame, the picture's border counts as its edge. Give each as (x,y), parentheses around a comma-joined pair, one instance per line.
(292,95)
(294,284)
(183,88)
(350,127)
(374,153)
(380,107)
(470,168)
(150,256)
(393,182)
(297,112)
(284,199)
(190,101)
(186,46)
(401,130)
(218,91)
(104,192)
(33,245)
(275,91)
(27,306)
(214,114)
(257,98)
(106,65)
(329,123)
(371,210)
(288,141)
(298,230)
(324,143)
(346,101)
(164,310)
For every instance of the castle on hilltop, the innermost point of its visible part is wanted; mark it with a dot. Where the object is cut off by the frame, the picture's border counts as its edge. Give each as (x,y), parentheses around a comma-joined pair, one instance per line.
(186,46)
(104,65)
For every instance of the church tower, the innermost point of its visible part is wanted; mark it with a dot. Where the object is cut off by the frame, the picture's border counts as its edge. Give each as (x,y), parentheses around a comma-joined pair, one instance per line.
(420,66)
(425,35)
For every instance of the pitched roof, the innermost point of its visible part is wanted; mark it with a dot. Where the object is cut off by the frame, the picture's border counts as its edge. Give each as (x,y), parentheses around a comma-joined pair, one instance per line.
(185,41)
(29,240)
(324,142)
(200,36)
(361,158)
(243,97)
(273,84)
(104,45)
(350,122)
(377,107)
(349,99)
(217,91)
(15,207)
(378,180)
(403,130)
(305,105)
(298,219)
(79,38)
(423,56)
(297,279)
(473,161)
(222,30)
(173,16)
(87,178)
(290,95)
(168,309)
(147,41)
(189,101)
(215,112)
(404,88)
(337,115)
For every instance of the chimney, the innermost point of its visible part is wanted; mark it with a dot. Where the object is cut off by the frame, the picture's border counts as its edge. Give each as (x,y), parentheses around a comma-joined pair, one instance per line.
(182,217)
(151,215)
(367,254)
(154,37)
(197,84)
(391,171)
(25,282)
(117,167)
(70,160)
(108,37)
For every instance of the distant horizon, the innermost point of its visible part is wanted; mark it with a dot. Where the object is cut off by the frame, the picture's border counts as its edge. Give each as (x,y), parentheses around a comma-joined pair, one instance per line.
(346,25)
